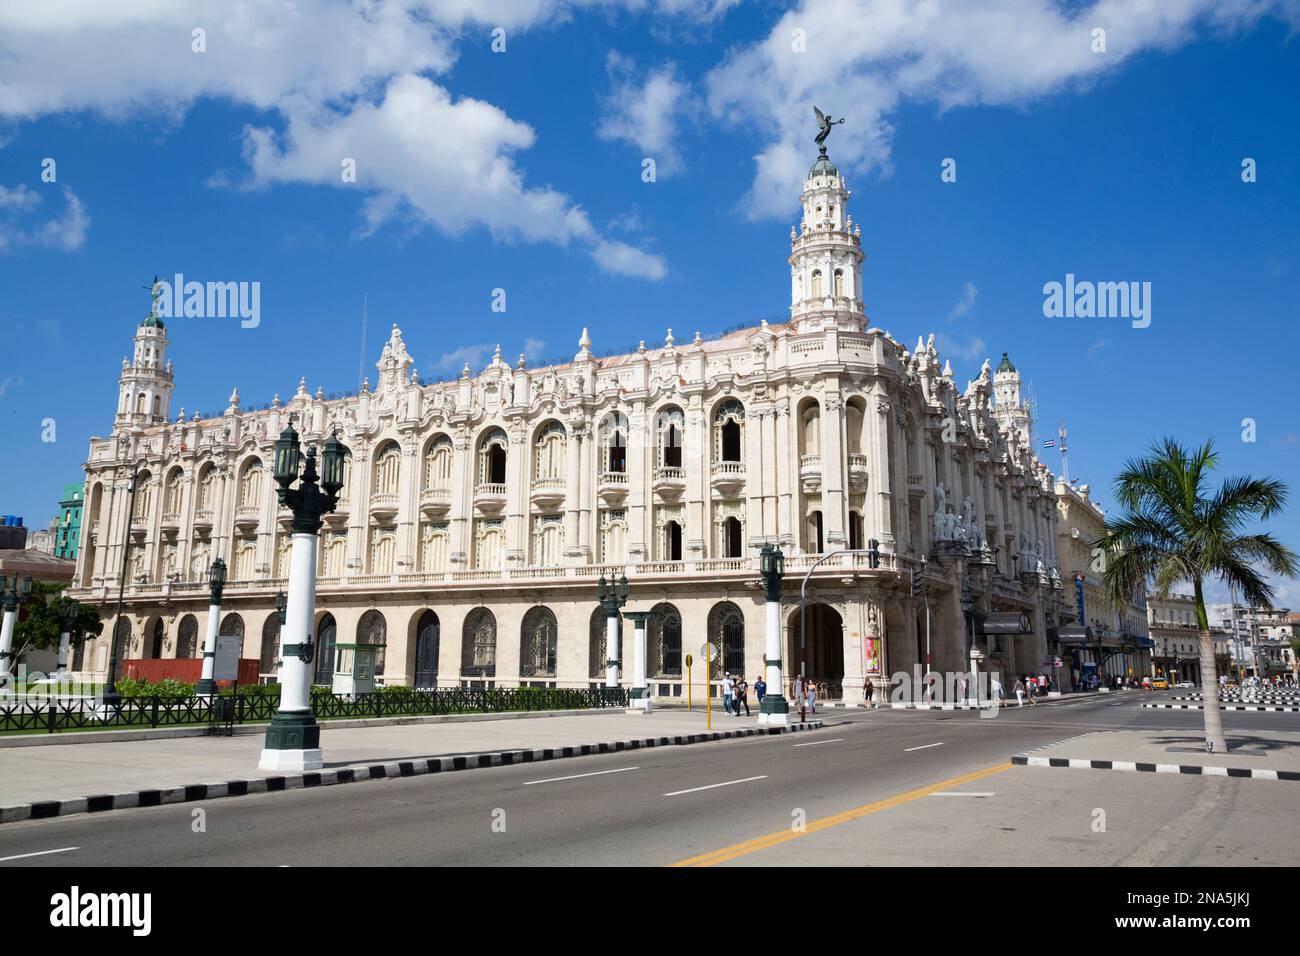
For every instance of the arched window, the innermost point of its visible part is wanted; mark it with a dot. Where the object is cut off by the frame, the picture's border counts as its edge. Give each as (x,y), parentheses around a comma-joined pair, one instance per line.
(373,629)
(250,485)
(548,451)
(839,283)
(326,633)
(816,284)
(283,552)
(143,494)
(427,634)
(334,554)
(613,536)
(492,458)
(816,544)
(855,530)
(207,489)
(383,549)
(233,626)
(388,469)
(727,631)
(245,559)
(489,544)
(613,443)
(672,541)
(538,643)
(433,546)
(172,494)
(187,637)
(728,431)
(437,463)
(548,540)
(731,534)
(270,646)
(853,420)
(671,426)
(664,642)
(810,429)
(479,644)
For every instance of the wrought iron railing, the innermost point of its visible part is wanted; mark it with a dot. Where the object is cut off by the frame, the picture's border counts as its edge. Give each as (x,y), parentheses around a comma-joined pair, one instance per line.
(52,716)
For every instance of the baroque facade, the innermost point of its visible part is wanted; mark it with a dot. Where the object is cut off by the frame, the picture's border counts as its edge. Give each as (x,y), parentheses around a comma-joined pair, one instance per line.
(479,514)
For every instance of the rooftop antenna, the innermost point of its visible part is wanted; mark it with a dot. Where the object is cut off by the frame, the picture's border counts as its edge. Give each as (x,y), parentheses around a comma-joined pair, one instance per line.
(1065,461)
(361,358)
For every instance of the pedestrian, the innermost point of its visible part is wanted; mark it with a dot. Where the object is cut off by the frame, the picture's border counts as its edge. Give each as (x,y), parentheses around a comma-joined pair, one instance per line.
(1019,690)
(728,690)
(962,685)
(1032,689)
(742,696)
(997,692)
(798,691)
(812,698)
(760,689)
(869,693)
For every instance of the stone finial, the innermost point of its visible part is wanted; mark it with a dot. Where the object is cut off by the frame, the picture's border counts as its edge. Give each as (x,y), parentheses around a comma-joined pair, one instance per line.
(947,368)
(698,339)
(668,339)
(320,393)
(275,402)
(641,348)
(302,387)
(920,346)
(464,373)
(496,356)
(365,385)
(523,361)
(180,417)
(585,341)
(415,375)
(234,398)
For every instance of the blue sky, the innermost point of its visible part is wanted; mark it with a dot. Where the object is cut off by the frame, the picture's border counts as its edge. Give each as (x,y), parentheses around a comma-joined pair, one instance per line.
(522,170)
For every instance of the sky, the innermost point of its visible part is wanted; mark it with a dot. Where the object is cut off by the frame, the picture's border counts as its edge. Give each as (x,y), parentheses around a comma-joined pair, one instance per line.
(631,166)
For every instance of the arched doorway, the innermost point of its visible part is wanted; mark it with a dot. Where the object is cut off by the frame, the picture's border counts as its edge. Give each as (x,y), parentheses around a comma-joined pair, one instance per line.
(156,639)
(187,638)
(270,646)
(479,645)
(727,631)
(427,632)
(598,644)
(538,645)
(822,650)
(233,626)
(372,629)
(325,637)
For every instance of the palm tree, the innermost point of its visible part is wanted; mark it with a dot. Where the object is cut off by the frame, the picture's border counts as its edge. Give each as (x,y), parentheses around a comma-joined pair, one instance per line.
(1176,532)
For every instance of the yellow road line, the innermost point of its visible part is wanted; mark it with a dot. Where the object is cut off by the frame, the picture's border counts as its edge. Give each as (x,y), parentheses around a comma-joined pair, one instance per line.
(781,836)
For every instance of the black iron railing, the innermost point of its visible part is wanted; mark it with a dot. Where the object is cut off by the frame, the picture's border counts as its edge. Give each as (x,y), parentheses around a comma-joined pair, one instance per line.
(53,716)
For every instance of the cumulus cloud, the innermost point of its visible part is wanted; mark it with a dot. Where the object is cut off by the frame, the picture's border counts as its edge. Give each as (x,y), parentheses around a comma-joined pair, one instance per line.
(864,58)
(65,232)
(970,350)
(968,295)
(643,108)
(337,79)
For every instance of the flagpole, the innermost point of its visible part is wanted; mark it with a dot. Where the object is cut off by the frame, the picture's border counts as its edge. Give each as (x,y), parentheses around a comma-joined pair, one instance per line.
(1065,461)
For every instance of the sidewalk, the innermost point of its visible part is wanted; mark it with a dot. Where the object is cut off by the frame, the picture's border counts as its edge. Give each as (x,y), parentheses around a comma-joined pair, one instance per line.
(1269,755)
(62,779)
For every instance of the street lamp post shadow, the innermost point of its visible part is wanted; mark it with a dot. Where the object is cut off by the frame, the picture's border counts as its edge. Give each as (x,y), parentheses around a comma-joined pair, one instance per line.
(293,738)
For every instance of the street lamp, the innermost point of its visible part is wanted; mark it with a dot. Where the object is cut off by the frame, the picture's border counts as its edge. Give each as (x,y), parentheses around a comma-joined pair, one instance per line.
(775,709)
(216,584)
(293,738)
(14,595)
(67,614)
(612,596)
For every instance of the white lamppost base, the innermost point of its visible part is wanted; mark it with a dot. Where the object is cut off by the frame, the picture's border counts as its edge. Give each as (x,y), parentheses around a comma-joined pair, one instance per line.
(775,720)
(291,760)
(640,705)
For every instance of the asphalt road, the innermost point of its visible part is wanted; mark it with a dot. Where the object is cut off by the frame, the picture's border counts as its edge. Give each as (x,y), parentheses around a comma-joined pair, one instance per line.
(861,783)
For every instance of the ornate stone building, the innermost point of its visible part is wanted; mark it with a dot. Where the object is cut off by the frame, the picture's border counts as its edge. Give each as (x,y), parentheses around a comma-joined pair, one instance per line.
(479,514)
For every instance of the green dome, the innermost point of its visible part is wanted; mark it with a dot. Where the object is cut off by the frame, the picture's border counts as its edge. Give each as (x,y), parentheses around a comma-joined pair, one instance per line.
(1005,365)
(823,166)
(151,321)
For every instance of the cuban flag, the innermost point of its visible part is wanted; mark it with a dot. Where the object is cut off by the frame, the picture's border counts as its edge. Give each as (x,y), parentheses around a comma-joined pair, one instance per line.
(1049,443)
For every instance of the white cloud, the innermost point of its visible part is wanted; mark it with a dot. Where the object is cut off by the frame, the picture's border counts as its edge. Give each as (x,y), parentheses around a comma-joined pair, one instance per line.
(643,108)
(864,58)
(343,79)
(968,295)
(65,232)
(970,349)
(456,359)
(8,383)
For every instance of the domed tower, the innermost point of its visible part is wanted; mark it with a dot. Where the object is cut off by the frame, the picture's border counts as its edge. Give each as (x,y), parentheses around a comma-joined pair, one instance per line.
(1011,412)
(144,390)
(826,256)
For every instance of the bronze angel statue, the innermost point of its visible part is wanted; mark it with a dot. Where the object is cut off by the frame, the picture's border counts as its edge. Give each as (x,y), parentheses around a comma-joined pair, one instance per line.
(826,123)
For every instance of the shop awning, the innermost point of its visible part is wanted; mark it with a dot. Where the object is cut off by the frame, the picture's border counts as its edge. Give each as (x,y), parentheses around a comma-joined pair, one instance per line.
(1004,622)
(1074,634)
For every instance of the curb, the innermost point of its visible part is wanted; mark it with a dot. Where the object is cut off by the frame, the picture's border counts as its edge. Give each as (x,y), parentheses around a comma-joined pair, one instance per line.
(98,803)
(1023,760)
(1283,707)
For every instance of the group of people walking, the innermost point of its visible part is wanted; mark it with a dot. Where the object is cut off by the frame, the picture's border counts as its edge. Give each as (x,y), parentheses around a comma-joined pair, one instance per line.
(735,693)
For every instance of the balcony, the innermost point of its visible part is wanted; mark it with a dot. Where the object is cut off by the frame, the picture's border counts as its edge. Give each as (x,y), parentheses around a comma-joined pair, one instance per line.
(383,508)
(669,483)
(857,472)
(246,518)
(139,526)
(612,487)
(916,485)
(171,522)
(435,502)
(490,498)
(728,477)
(810,472)
(548,492)
(203,519)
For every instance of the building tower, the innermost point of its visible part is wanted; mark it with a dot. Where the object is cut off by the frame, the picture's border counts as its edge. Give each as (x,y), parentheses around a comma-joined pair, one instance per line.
(826,256)
(1012,413)
(145,387)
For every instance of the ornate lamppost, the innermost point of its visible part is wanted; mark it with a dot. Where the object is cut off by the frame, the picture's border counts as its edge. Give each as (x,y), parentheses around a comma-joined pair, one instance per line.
(612,596)
(216,584)
(293,738)
(67,612)
(15,595)
(775,709)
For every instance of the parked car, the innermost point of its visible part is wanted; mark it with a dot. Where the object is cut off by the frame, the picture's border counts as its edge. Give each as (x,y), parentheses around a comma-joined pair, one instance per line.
(1187,683)
(1159,683)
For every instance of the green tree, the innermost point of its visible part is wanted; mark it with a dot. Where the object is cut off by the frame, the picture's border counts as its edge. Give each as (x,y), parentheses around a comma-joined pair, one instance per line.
(1175,531)
(39,627)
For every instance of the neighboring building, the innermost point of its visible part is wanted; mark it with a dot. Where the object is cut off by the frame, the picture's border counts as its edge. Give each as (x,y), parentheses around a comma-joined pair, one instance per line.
(1177,639)
(1259,637)
(21,562)
(68,531)
(42,539)
(478,514)
(1111,640)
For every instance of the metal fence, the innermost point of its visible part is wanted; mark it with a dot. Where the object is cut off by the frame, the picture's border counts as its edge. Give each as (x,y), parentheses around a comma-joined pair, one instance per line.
(52,716)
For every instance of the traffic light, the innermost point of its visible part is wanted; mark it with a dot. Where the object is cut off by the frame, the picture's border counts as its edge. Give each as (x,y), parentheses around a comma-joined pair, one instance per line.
(873,553)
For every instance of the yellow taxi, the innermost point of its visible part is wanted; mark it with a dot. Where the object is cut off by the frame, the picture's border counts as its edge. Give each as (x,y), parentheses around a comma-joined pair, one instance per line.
(1159,683)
